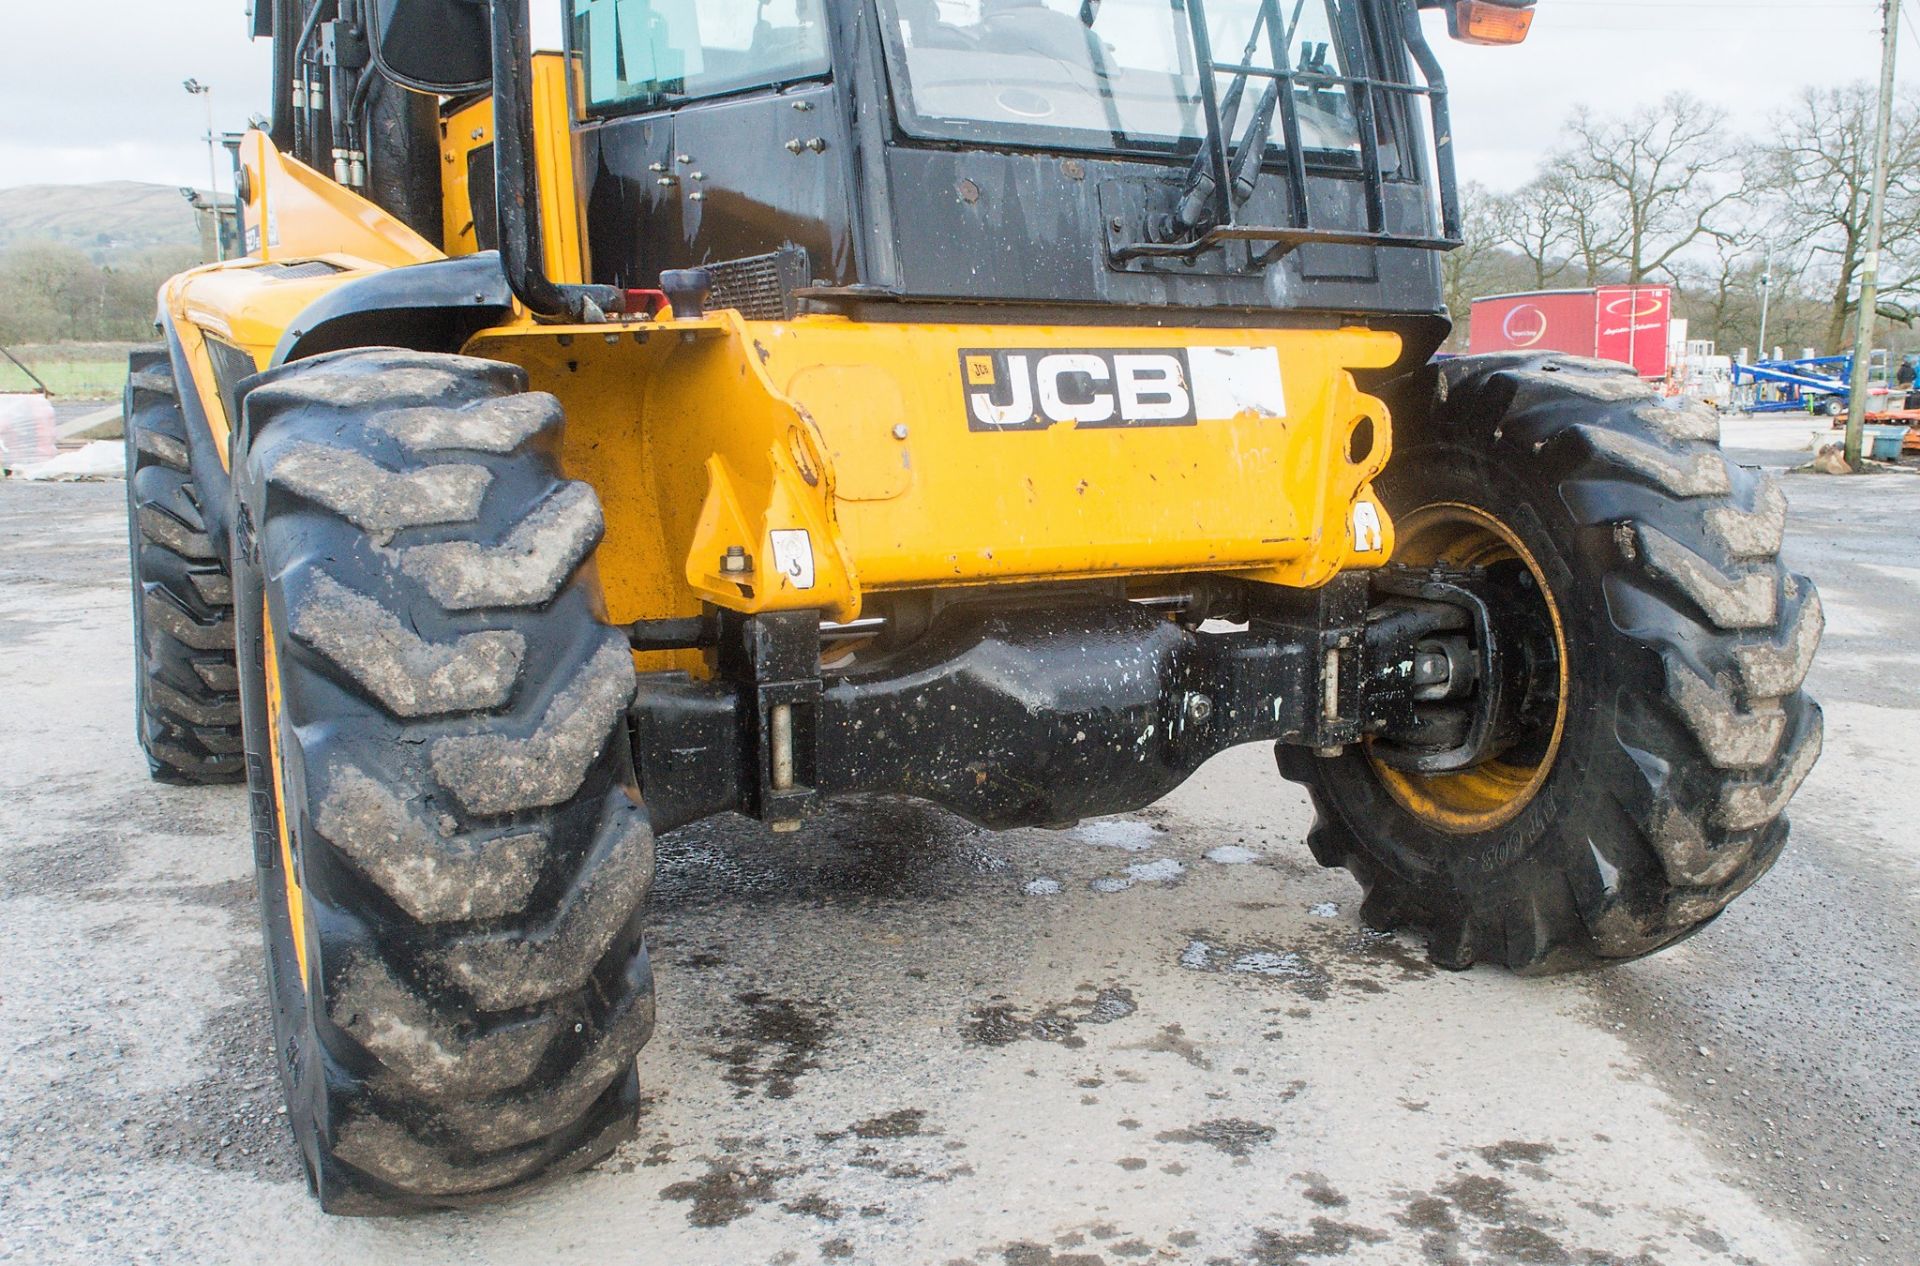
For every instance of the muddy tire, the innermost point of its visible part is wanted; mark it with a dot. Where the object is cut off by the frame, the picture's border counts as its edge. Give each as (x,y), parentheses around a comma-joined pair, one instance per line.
(1685,730)
(186,697)
(452,856)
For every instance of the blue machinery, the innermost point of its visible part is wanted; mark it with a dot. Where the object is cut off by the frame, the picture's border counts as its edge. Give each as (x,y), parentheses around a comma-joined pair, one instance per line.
(1815,385)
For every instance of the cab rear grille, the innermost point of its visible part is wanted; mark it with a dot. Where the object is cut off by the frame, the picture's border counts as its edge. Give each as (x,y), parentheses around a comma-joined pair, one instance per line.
(760,286)
(306,270)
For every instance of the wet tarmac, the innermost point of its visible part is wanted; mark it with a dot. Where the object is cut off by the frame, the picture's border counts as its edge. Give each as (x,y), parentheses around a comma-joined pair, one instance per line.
(892,1038)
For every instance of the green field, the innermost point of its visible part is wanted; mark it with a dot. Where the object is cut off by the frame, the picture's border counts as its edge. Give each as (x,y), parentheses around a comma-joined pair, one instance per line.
(91,371)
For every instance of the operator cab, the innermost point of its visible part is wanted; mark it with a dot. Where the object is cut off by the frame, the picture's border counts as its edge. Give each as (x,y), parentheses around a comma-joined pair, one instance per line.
(890,156)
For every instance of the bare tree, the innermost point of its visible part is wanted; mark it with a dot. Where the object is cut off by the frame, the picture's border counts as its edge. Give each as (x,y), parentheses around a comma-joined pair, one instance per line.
(1818,169)
(50,292)
(1462,269)
(1530,224)
(1582,221)
(1639,192)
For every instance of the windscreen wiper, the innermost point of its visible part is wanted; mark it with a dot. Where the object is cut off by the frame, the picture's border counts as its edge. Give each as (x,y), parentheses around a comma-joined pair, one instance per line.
(1193,212)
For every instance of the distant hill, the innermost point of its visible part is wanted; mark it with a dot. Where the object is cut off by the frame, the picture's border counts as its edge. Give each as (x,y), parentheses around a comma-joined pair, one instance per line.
(102,219)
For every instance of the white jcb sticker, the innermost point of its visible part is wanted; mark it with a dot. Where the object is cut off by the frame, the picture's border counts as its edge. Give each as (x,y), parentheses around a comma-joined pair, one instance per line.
(1367,536)
(793,556)
(1237,382)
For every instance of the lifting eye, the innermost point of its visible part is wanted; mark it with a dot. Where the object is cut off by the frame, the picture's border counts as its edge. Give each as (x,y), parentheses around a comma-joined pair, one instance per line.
(1360,441)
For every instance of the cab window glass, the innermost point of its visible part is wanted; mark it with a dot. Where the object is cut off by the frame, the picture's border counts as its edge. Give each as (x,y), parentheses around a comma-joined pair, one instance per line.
(651,53)
(1105,73)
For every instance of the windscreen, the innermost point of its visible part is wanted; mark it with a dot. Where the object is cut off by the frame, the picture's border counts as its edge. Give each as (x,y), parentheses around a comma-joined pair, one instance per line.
(648,54)
(1108,73)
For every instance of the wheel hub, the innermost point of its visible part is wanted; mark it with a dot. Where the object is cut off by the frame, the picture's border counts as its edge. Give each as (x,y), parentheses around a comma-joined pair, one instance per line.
(1492,699)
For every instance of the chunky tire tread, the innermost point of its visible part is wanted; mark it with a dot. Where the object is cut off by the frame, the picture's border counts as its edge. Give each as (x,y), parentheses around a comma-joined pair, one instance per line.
(187,702)
(377,500)
(494,425)
(492,774)
(526,569)
(410,675)
(473,855)
(1731,598)
(1694,733)
(433,878)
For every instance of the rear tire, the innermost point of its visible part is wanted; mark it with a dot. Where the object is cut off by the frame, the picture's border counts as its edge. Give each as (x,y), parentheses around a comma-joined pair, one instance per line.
(186,696)
(1686,730)
(455,953)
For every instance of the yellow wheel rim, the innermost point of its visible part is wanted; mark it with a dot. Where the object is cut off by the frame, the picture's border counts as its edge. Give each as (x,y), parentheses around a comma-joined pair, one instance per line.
(1497,792)
(296,900)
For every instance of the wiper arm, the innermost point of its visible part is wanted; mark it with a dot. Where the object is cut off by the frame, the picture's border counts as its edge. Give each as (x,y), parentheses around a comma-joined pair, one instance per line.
(1253,147)
(1191,213)
(1196,198)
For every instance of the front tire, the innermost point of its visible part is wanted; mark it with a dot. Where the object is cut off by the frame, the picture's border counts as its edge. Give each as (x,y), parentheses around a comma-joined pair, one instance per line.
(452,856)
(186,700)
(1680,731)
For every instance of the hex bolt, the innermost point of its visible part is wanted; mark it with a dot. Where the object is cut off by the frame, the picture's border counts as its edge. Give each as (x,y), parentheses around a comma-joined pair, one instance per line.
(899,430)
(817,144)
(795,145)
(1431,668)
(735,561)
(1199,708)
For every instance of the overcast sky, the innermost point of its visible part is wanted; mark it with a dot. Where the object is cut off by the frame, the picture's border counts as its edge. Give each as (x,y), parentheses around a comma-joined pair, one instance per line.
(91,91)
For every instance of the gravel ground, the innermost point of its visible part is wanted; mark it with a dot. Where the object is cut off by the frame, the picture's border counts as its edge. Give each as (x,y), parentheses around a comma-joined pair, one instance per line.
(894,1039)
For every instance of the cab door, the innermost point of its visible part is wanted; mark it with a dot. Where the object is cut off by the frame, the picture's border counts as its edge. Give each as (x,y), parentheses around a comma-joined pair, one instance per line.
(712,135)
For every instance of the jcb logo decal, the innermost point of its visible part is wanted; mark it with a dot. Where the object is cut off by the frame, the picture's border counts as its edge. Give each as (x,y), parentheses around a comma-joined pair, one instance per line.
(1031,389)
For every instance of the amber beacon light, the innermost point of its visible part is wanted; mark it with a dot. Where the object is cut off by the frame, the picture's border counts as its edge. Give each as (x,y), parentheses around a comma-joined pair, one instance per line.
(1488,22)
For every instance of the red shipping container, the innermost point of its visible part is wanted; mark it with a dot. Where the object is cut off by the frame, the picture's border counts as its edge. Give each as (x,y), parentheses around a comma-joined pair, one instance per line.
(1631,324)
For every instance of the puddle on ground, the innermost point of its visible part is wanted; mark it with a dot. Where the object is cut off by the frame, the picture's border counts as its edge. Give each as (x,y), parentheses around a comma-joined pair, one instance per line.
(727,1192)
(1231,1135)
(1290,967)
(904,1123)
(774,1046)
(856,852)
(1000,1023)
(1128,834)
(1232,855)
(1161,870)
